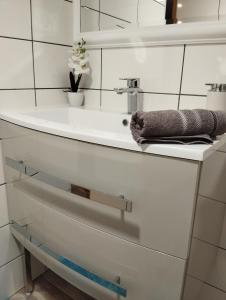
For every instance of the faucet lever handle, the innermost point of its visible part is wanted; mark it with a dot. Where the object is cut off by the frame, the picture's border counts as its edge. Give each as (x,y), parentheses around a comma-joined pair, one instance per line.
(132,82)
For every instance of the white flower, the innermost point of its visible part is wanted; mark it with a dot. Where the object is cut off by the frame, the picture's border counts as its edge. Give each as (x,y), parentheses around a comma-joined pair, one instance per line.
(79,60)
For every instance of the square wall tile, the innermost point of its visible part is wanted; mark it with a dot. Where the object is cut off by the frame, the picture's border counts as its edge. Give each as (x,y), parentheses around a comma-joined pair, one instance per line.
(4,219)
(16,99)
(202,259)
(16,64)
(223,234)
(110,101)
(208,264)
(51,65)
(209,220)
(2,174)
(197,290)
(192,102)
(159,68)
(11,278)
(203,64)
(222,14)
(10,248)
(92,99)
(52,21)
(159,102)
(51,97)
(15,18)
(212,183)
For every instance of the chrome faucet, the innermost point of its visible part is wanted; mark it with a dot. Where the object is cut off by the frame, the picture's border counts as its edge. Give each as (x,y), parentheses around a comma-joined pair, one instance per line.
(132,90)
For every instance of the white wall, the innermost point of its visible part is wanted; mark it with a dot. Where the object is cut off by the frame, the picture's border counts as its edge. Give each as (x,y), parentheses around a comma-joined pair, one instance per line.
(33,71)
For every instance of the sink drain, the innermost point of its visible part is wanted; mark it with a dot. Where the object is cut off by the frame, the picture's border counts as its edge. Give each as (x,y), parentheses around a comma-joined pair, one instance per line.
(125,122)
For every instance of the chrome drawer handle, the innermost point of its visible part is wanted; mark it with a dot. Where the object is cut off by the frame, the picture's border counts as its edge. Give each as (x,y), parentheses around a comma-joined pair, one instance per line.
(109,285)
(118,202)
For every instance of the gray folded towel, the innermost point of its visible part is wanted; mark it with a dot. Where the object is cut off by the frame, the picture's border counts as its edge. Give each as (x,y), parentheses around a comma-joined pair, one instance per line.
(196,126)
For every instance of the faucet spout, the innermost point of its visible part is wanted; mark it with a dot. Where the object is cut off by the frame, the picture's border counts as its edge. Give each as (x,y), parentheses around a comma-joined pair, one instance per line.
(132,91)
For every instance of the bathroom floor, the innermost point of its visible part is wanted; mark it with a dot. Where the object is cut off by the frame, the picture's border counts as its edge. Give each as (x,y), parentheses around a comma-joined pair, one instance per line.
(45,290)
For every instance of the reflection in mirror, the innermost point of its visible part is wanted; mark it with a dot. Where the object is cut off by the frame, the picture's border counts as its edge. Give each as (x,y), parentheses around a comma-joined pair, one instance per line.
(121,14)
(99,15)
(200,10)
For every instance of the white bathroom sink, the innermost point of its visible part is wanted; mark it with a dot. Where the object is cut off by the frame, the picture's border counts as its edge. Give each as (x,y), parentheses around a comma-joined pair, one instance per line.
(96,122)
(104,128)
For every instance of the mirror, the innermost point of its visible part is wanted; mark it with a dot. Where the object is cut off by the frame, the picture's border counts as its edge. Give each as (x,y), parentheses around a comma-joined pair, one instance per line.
(101,15)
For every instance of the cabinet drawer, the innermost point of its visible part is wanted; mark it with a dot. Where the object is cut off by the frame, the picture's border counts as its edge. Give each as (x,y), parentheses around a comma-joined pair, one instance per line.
(143,273)
(162,190)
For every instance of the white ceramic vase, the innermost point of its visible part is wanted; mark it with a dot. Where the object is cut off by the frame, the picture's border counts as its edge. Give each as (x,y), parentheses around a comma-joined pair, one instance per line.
(75,99)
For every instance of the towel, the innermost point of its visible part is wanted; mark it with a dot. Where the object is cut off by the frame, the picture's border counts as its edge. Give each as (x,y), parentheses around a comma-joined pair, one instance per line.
(198,126)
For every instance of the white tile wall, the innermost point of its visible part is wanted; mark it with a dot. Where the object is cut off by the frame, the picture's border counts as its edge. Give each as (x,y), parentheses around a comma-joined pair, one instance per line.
(16,64)
(92,99)
(159,68)
(16,99)
(209,220)
(11,278)
(52,21)
(15,19)
(223,234)
(51,65)
(51,97)
(192,102)
(202,260)
(2,175)
(203,64)
(212,183)
(208,264)
(197,290)
(10,248)
(159,102)
(223,10)
(4,219)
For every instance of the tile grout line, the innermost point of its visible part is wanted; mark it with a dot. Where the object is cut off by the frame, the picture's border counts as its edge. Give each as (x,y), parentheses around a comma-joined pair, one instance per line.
(219,7)
(33,58)
(208,243)
(181,80)
(205,282)
(101,76)
(10,261)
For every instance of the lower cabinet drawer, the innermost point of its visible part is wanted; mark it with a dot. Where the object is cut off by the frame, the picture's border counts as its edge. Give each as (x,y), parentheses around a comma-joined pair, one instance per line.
(95,257)
(161,190)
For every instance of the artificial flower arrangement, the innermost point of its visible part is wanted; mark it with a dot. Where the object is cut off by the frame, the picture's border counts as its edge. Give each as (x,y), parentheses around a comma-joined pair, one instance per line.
(79,63)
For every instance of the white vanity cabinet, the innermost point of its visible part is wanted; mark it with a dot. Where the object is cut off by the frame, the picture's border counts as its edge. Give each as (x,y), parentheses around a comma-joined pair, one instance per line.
(137,228)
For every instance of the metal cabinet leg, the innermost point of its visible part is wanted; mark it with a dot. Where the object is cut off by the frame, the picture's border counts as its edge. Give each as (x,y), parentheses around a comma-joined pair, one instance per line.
(27,270)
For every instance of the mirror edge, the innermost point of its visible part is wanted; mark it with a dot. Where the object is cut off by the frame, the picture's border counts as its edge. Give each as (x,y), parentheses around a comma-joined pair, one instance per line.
(185,33)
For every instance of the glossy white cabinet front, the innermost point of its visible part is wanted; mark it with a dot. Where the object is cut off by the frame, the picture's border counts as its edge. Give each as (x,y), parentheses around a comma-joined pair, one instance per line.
(146,248)
(162,204)
(144,273)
